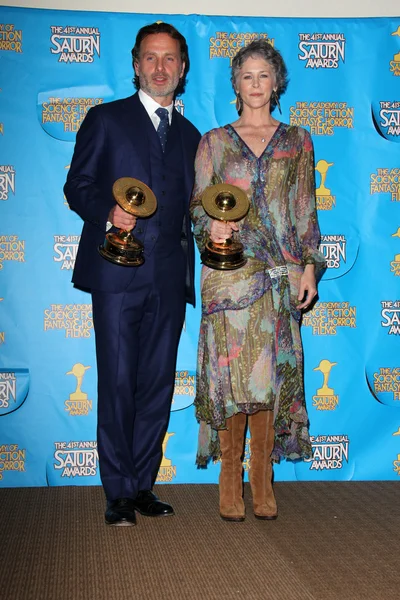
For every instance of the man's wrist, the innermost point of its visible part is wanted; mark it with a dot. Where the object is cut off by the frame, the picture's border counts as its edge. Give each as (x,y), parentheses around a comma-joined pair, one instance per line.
(108,225)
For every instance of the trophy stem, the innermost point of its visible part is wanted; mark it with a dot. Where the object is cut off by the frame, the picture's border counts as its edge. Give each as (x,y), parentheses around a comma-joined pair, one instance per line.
(223,256)
(225,203)
(135,198)
(225,244)
(125,236)
(122,248)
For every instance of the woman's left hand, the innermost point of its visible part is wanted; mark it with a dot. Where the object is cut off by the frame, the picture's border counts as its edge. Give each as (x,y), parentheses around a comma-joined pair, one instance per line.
(308,287)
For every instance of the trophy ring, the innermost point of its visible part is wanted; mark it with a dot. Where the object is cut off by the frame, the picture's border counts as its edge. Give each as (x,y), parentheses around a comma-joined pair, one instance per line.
(136,198)
(224,202)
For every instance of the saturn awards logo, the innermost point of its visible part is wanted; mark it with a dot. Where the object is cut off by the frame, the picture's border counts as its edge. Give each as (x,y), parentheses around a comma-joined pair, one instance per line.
(386,119)
(387,381)
(322,50)
(386,181)
(75,44)
(322,117)
(395,63)
(333,247)
(7,181)
(67,112)
(184,383)
(325,398)
(224,44)
(167,471)
(14,388)
(12,458)
(326,317)
(75,319)
(395,264)
(8,389)
(390,314)
(76,459)
(325,199)
(328,452)
(78,403)
(184,390)
(390,117)
(11,249)
(10,38)
(65,250)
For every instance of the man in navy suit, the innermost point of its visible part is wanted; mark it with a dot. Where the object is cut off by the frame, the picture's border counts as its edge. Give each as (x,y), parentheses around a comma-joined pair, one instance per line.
(138,311)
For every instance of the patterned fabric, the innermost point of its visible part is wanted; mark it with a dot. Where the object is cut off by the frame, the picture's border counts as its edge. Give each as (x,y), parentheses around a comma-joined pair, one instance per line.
(163,126)
(250,353)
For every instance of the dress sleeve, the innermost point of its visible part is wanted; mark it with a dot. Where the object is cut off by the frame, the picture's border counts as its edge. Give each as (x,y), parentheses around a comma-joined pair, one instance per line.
(306,213)
(204,177)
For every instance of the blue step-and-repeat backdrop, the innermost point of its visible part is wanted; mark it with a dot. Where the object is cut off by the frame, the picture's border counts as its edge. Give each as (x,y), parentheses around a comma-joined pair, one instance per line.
(345,89)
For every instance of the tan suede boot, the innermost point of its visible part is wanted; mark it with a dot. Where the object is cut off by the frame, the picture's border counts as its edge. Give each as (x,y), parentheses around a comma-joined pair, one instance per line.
(260,475)
(231,505)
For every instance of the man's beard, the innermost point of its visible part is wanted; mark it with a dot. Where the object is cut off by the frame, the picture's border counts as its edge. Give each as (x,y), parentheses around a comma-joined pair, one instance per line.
(153,90)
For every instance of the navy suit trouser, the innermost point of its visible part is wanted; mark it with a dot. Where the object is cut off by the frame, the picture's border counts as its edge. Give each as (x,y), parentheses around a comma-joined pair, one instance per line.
(137,333)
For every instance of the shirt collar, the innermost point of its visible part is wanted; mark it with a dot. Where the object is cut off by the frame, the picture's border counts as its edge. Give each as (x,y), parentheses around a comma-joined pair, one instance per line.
(151,105)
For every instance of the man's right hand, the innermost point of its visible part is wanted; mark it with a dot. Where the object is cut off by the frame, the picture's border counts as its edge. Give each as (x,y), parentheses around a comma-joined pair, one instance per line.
(121,219)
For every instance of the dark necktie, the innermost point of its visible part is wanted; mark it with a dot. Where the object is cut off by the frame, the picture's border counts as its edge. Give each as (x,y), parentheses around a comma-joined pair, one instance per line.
(163,126)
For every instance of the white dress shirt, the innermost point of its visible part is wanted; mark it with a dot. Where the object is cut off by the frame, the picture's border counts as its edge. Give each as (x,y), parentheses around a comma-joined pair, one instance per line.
(151,107)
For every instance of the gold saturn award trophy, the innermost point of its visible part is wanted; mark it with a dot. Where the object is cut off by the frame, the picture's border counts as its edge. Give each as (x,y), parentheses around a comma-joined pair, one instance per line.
(133,196)
(224,202)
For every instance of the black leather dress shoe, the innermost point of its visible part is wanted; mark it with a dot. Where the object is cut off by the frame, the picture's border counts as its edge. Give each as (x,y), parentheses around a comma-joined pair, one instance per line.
(147,504)
(120,512)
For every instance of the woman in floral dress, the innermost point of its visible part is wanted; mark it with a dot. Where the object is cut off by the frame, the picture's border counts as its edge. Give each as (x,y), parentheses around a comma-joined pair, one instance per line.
(250,355)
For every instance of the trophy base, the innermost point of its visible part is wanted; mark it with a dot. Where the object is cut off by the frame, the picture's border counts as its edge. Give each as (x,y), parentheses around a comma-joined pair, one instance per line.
(325,392)
(122,249)
(223,257)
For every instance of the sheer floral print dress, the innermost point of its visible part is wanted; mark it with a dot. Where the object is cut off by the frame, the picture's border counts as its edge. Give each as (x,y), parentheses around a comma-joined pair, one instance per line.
(250,352)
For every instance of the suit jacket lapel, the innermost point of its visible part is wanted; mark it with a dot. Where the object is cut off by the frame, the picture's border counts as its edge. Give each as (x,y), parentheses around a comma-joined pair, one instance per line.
(137,122)
(139,127)
(188,172)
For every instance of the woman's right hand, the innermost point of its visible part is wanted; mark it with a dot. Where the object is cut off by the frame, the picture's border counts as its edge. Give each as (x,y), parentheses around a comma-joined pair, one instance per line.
(222,230)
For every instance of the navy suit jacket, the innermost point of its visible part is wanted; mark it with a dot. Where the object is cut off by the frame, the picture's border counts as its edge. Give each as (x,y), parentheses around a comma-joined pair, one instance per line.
(112,142)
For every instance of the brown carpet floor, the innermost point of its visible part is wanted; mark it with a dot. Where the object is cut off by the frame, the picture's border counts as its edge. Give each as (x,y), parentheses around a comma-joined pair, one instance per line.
(336,540)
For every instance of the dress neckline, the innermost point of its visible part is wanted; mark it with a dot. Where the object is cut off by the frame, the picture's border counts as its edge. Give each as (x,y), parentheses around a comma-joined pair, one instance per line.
(268,148)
